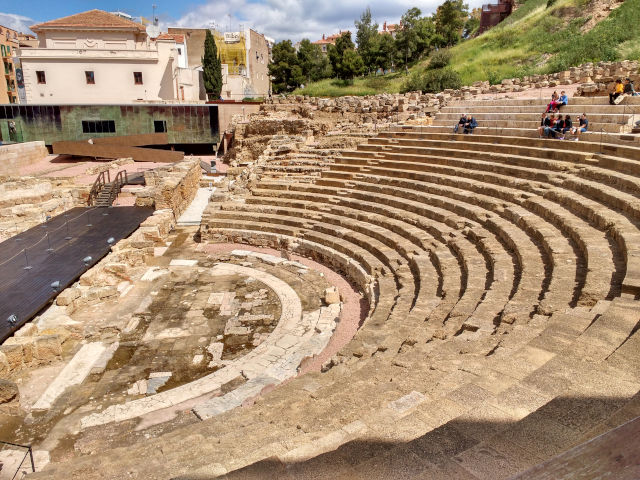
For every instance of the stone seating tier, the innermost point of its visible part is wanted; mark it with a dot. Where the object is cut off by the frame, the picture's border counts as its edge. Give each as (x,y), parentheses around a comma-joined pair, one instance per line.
(503,325)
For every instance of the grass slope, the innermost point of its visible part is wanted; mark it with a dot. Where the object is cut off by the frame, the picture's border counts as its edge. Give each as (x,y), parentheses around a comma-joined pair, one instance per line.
(534,39)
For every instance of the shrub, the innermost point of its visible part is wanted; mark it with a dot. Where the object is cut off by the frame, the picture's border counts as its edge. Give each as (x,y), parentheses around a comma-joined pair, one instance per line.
(550,3)
(432,81)
(493,76)
(440,59)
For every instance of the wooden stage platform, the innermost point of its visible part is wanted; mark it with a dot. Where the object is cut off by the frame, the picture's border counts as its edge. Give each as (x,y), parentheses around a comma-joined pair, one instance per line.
(57,251)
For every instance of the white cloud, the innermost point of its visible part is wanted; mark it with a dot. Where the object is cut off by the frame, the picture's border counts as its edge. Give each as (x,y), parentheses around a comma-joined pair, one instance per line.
(297,19)
(16,22)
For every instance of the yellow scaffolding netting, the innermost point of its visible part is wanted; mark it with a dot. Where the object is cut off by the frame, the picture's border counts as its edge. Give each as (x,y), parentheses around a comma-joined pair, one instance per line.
(233,54)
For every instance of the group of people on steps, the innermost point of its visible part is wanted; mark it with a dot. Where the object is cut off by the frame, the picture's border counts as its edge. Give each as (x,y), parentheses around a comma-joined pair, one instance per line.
(555,125)
(552,123)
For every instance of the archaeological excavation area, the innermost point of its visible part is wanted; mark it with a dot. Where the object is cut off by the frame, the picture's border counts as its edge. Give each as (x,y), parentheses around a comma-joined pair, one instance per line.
(354,292)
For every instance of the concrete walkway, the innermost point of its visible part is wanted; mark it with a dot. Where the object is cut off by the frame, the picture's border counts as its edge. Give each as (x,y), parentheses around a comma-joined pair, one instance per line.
(193,214)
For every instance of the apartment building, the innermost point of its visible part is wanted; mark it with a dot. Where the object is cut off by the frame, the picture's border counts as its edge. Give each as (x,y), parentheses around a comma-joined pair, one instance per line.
(245,57)
(9,42)
(96,57)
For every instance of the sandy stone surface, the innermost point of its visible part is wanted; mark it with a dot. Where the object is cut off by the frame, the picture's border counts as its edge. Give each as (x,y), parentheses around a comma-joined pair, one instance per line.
(354,306)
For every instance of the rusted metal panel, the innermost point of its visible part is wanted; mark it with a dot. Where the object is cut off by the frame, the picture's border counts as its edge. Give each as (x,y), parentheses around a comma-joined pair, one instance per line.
(106,150)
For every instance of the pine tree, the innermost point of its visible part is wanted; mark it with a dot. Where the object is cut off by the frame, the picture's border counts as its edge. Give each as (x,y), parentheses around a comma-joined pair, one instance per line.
(212,68)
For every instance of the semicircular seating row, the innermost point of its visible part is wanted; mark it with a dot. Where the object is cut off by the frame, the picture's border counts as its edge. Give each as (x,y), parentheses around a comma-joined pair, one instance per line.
(502,273)
(467,237)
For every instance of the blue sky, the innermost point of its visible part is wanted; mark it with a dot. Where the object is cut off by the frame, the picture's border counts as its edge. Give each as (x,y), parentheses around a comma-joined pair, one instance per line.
(280,19)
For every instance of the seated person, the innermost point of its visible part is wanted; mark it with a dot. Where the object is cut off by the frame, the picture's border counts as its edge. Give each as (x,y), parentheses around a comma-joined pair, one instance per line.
(562,101)
(554,101)
(584,126)
(549,129)
(544,122)
(557,128)
(568,126)
(618,90)
(629,88)
(470,125)
(461,123)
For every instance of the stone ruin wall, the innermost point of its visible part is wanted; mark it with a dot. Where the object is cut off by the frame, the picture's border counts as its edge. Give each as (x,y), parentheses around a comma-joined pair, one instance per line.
(26,201)
(44,339)
(47,336)
(18,155)
(594,79)
(172,187)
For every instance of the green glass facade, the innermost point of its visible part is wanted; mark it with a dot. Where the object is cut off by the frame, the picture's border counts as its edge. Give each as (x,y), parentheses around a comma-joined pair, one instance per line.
(184,124)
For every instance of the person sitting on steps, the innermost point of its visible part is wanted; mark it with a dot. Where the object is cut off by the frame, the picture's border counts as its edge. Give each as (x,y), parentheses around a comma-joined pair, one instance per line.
(557,128)
(618,90)
(554,102)
(544,122)
(562,101)
(470,125)
(568,126)
(461,123)
(549,129)
(584,126)
(629,88)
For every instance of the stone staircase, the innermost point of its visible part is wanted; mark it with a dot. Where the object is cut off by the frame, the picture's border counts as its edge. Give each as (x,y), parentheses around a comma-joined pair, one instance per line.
(522,117)
(502,273)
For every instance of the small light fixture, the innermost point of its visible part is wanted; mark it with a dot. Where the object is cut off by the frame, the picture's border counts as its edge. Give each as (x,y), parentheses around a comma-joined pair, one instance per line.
(87,260)
(12,319)
(110,240)
(55,285)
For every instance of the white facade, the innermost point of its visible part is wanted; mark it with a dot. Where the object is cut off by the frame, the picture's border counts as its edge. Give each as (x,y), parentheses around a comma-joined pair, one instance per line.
(105,65)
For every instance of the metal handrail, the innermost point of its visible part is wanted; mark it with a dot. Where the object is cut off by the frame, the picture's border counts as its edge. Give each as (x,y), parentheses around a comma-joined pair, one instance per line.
(119,181)
(99,183)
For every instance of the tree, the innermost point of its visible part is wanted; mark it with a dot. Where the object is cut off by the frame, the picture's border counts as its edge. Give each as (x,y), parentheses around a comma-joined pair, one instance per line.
(286,76)
(211,68)
(450,19)
(366,35)
(407,36)
(315,66)
(383,52)
(345,61)
(425,33)
(472,24)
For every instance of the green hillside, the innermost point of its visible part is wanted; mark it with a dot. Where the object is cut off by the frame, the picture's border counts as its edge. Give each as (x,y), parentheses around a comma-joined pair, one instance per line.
(541,36)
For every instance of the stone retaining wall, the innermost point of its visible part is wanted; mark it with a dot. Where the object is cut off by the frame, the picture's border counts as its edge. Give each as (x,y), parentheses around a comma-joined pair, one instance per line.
(18,155)
(26,201)
(172,187)
(595,79)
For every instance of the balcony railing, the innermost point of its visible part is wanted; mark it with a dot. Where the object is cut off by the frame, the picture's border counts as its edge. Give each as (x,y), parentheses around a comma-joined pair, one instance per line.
(89,54)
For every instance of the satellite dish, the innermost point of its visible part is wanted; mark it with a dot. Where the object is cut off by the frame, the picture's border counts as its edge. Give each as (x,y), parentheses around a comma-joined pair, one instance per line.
(153,31)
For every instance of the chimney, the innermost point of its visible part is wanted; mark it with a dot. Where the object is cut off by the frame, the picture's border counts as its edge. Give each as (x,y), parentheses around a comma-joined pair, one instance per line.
(384,27)
(323,36)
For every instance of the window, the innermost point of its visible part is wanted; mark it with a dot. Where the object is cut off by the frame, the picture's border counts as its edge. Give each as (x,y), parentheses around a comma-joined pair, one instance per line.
(98,126)
(91,79)
(179,51)
(160,126)
(137,78)
(41,77)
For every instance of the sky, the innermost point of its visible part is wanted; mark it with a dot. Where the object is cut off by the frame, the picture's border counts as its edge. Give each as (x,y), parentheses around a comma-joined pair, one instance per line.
(278,19)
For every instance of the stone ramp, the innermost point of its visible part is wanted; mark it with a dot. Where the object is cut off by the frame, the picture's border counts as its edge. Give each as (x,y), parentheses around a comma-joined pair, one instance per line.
(192,216)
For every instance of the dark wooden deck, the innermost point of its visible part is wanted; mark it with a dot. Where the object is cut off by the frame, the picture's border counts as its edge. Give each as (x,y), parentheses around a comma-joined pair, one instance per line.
(53,256)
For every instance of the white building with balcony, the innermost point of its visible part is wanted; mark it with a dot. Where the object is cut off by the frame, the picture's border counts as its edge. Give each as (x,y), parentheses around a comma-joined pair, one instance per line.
(96,57)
